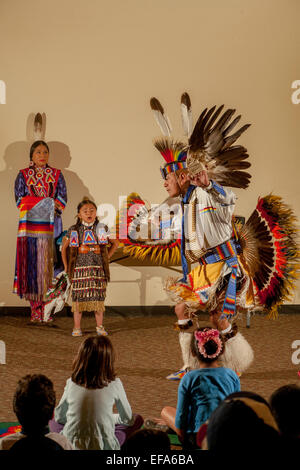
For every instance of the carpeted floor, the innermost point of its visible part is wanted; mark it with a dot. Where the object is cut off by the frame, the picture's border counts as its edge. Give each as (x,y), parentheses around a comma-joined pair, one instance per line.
(147,350)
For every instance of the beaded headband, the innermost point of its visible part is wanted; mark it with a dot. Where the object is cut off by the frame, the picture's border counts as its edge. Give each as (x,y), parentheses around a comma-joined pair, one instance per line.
(171,168)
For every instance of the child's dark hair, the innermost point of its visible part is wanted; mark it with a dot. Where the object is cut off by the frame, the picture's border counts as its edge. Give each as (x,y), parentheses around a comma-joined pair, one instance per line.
(284,403)
(211,348)
(35,145)
(93,367)
(84,202)
(34,402)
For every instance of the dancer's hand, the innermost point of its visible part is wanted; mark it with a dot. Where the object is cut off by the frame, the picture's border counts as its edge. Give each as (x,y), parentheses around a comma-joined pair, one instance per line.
(201,179)
(57,206)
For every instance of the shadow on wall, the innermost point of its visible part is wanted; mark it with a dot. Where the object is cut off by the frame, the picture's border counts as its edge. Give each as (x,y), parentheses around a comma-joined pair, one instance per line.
(60,157)
(16,157)
(142,281)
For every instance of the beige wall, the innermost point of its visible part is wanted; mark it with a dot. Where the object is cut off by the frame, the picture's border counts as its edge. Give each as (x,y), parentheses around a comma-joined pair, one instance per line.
(92,66)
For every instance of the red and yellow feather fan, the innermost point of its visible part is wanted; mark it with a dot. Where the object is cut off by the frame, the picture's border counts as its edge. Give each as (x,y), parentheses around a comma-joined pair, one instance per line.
(270,247)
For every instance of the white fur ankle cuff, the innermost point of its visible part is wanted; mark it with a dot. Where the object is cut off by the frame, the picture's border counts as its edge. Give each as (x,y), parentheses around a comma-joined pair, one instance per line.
(227,330)
(183,322)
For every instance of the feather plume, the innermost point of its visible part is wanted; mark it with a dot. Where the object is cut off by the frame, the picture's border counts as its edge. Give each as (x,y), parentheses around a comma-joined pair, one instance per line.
(160,117)
(214,117)
(211,145)
(38,127)
(230,140)
(186,114)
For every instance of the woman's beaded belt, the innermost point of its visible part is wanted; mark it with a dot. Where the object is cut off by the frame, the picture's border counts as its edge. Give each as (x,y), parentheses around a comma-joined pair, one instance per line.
(88,248)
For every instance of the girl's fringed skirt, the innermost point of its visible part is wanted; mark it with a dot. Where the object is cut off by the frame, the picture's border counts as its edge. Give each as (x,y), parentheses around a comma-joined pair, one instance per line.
(88,289)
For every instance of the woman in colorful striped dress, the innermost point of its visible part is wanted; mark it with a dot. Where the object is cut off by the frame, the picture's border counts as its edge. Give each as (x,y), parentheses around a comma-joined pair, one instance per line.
(41,196)
(86,260)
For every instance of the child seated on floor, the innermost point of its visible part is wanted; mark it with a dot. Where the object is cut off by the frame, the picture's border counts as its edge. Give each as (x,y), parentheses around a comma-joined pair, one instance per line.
(200,390)
(245,419)
(285,405)
(85,412)
(33,404)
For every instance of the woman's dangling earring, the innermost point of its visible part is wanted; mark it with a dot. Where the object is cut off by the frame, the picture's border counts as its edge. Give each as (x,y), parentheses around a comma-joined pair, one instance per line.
(31,163)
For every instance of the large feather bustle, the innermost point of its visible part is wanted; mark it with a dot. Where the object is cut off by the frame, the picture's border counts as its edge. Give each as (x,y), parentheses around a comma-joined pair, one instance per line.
(270,245)
(160,117)
(186,114)
(211,145)
(171,151)
(164,253)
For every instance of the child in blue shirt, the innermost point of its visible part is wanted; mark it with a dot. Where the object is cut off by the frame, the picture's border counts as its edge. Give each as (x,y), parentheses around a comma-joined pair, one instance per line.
(201,390)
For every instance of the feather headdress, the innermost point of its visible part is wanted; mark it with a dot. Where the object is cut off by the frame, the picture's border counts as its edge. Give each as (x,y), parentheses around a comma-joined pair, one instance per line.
(211,148)
(210,144)
(173,152)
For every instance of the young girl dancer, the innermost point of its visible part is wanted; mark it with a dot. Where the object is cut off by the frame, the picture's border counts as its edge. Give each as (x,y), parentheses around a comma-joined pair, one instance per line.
(86,260)
(85,412)
(200,390)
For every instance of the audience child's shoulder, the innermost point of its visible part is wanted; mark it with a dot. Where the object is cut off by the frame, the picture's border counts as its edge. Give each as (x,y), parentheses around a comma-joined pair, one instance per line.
(116,385)
(61,440)
(8,441)
(231,373)
(190,376)
(117,382)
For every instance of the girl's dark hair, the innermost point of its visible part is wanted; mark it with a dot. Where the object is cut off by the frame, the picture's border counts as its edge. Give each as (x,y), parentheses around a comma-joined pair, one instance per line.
(35,145)
(84,202)
(93,367)
(210,347)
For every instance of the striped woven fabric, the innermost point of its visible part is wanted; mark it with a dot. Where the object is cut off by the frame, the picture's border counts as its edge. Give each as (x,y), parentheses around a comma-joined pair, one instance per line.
(34,259)
(229,306)
(36,217)
(220,253)
(225,252)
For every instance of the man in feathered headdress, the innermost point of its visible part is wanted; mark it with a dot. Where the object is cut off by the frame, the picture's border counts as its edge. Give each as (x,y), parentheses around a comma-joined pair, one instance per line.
(194,172)
(255,268)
